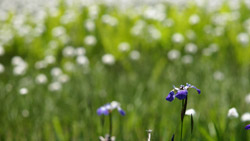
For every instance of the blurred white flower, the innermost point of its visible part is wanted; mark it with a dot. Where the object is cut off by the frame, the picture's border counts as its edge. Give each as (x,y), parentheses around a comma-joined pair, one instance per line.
(155,13)
(55,72)
(90,25)
(63,78)
(93,11)
(68,17)
(232,113)
(210,50)
(168,22)
(174,54)
(177,38)
(243,38)
(58,31)
(218,75)
(41,64)
(108,59)
(135,55)
(23,91)
(69,66)
(190,34)
(16,60)
(82,60)
(80,51)
(245,117)
(137,29)
(19,69)
(1,68)
(68,51)
(25,113)
(50,59)
(190,112)
(247,99)
(191,48)
(194,19)
(41,79)
(155,33)
(187,59)
(107,19)
(90,40)
(55,86)
(124,46)
(1,50)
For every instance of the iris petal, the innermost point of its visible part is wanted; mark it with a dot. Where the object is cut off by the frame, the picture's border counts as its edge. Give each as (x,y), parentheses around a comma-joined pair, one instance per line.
(170,96)
(198,90)
(122,112)
(181,94)
(247,127)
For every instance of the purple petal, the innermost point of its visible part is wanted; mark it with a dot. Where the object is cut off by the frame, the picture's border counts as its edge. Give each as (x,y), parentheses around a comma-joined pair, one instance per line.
(102,110)
(198,90)
(181,94)
(247,127)
(122,112)
(170,96)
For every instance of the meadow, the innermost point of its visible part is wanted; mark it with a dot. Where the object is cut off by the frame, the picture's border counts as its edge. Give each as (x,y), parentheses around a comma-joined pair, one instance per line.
(61,61)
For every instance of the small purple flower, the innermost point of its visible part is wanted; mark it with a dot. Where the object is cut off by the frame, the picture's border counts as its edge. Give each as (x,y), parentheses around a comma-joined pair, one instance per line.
(181,93)
(108,108)
(247,127)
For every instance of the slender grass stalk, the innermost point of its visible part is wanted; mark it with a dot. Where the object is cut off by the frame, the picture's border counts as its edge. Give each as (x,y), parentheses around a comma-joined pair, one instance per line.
(110,126)
(182,118)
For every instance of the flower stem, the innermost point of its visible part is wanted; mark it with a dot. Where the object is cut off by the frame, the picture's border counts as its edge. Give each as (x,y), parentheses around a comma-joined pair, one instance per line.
(110,126)
(182,119)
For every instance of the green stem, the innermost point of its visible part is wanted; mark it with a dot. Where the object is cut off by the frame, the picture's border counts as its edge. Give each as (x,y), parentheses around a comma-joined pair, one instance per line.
(182,119)
(110,126)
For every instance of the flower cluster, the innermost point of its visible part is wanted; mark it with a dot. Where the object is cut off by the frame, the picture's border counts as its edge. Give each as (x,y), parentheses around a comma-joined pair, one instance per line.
(109,107)
(181,93)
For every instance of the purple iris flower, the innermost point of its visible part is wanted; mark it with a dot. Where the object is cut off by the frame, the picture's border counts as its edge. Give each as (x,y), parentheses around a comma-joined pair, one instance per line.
(247,127)
(108,108)
(181,93)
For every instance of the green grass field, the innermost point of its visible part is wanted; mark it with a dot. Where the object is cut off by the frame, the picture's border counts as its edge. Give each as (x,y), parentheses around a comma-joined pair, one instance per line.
(59,64)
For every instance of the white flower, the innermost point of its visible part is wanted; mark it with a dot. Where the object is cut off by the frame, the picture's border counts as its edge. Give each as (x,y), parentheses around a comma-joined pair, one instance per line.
(50,59)
(1,68)
(243,38)
(41,79)
(55,86)
(90,25)
(187,59)
(107,19)
(191,48)
(90,40)
(245,117)
(124,46)
(173,54)
(190,112)
(63,78)
(69,66)
(177,38)
(218,75)
(23,91)
(56,72)
(58,31)
(68,51)
(108,59)
(135,55)
(194,19)
(80,51)
(82,60)
(247,99)
(41,64)
(1,50)
(25,113)
(232,113)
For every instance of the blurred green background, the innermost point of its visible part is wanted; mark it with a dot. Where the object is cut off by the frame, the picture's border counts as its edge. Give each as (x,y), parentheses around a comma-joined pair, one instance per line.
(61,61)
